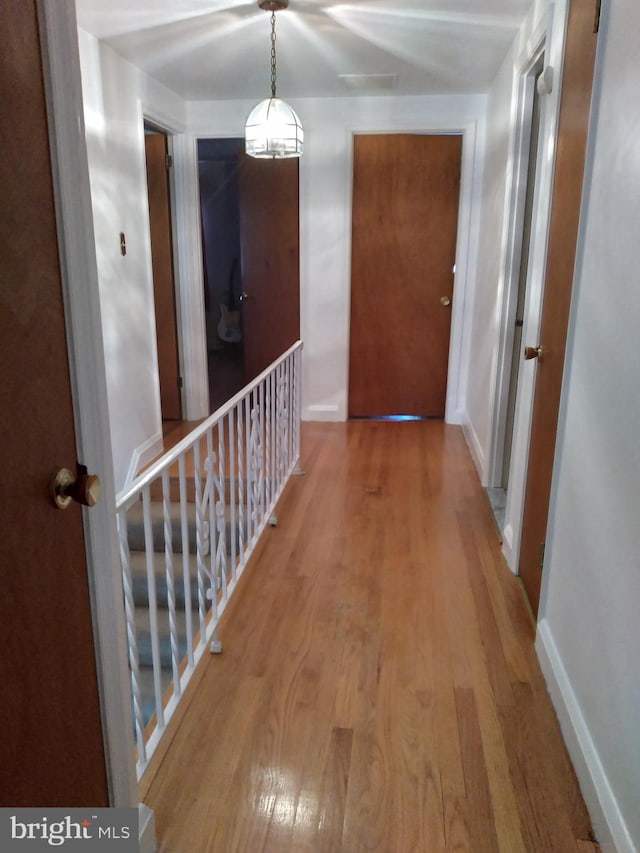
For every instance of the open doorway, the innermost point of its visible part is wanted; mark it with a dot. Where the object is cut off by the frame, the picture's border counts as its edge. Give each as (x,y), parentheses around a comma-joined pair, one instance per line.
(218,170)
(251,235)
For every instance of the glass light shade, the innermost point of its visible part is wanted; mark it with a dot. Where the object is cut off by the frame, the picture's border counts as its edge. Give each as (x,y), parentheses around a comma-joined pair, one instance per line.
(273,130)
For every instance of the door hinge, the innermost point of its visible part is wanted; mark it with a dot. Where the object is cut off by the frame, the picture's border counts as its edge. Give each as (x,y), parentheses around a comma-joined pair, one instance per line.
(169,161)
(180,382)
(542,555)
(596,23)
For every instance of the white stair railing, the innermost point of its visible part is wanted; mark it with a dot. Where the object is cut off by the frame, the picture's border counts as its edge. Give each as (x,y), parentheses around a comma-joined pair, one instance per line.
(187,527)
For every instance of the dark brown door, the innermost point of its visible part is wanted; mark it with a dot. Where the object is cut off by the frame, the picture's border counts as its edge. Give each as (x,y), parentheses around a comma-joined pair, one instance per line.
(405,212)
(51,749)
(163,281)
(270,259)
(573,125)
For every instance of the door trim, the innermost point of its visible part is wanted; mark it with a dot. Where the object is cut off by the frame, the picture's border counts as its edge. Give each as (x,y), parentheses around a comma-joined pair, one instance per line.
(554,57)
(169,209)
(61,68)
(189,279)
(517,180)
(187,262)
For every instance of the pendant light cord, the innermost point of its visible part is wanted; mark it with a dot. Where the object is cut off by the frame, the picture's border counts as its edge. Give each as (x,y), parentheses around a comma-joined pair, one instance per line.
(273,54)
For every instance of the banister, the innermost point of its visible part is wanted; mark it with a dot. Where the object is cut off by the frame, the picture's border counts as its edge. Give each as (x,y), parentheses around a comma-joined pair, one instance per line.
(168,458)
(185,540)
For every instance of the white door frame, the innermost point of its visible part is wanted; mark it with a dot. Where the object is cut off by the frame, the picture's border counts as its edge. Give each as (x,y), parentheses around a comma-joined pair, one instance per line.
(61,69)
(189,276)
(184,192)
(554,55)
(516,194)
(466,245)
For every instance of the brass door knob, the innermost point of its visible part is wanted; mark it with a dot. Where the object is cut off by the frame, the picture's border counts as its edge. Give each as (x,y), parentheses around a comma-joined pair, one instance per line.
(66,487)
(532,352)
(445,301)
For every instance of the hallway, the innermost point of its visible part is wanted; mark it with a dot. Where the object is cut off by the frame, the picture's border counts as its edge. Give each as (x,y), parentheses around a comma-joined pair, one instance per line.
(379,689)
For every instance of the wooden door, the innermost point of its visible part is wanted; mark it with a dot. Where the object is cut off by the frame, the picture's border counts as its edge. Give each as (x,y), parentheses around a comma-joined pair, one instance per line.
(163,280)
(270,259)
(51,748)
(405,213)
(573,125)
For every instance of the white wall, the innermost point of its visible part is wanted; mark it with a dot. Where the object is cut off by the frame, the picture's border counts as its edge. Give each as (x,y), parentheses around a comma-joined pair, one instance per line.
(325,223)
(116,97)
(491,259)
(507,144)
(589,635)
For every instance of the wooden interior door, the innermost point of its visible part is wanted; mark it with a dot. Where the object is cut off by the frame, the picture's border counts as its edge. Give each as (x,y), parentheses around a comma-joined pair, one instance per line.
(405,214)
(163,279)
(51,747)
(573,126)
(270,259)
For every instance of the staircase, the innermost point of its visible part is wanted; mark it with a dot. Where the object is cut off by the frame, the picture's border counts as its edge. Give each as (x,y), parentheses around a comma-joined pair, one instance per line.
(187,527)
(185,592)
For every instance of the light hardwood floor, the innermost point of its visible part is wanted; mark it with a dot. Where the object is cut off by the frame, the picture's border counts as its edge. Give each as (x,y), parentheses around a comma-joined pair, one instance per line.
(378,690)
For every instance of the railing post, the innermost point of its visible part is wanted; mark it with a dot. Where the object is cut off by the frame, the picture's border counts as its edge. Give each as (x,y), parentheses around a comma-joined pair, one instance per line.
(200,540)
(297,389)
(186,559)
(171,591)
(153,604)
(232,497)
(132,636)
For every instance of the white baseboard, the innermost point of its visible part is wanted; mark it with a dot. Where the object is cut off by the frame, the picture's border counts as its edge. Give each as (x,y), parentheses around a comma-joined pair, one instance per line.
(608,823)
(477,453)
(454,416)
(146,830)
(321,413)
(507,547)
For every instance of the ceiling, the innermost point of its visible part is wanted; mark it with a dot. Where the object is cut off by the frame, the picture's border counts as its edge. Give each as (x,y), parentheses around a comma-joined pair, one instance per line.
(211,49)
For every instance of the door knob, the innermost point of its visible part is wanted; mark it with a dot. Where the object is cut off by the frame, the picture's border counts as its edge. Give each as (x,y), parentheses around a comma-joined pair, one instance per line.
(532,352)
(244,296)
(66,487)
(445,300)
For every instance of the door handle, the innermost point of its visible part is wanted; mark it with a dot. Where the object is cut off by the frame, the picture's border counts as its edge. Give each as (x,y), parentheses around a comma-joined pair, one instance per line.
(532,352)
(445,301)
(66,487)
(244,296)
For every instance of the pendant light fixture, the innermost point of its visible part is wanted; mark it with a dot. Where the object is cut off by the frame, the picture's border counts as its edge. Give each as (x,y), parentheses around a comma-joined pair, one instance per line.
(273,129)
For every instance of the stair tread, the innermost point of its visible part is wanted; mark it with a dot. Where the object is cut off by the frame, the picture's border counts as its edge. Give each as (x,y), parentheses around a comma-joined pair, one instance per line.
(138,564)
(136,534)
(143,626)
(136,512)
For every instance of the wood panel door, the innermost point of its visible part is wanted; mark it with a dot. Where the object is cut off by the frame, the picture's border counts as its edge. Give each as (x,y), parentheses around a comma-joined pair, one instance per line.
(270,259)
(573,126)
(163,278)
(405,213)
(51,746)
